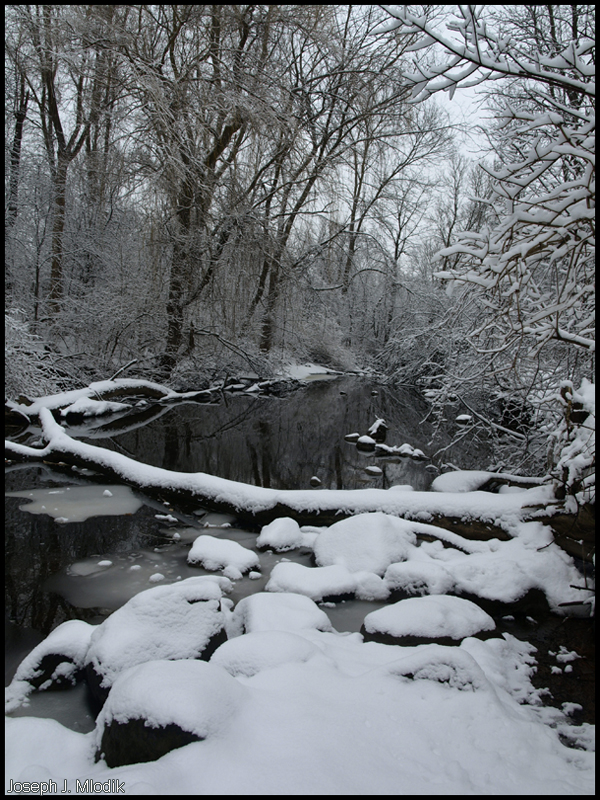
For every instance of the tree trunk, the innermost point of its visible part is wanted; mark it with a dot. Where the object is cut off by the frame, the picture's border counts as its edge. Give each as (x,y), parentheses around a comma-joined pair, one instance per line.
(267,333)
(58,226)
(15,158)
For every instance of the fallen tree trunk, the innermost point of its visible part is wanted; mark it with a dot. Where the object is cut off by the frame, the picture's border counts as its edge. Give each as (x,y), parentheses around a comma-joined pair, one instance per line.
(258,505)
(119,389)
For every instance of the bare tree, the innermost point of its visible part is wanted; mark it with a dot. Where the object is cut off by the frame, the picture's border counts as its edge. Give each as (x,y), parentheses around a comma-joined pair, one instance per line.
(63,71)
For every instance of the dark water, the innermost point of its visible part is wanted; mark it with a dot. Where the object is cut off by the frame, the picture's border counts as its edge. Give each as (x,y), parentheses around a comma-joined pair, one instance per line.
(283,442)
(52,570)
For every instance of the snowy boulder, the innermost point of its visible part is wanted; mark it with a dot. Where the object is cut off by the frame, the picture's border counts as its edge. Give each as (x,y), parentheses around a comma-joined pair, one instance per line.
(422,619)
(374,471)
(180,621)
(254,652)
(365,443)
(318,583)
(214,553)
(370,586)
(158,706)
(418,578)
(450,666)
(278,612)
(55,663)
(282,534)
(378,430)
(369,542)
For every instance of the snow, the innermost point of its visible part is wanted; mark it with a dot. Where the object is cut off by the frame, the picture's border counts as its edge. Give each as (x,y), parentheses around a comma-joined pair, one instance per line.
(366,442)
(448,666)
(419,577)
(282,534)
(199,697)
(421,505)
(432,617)
(379,423)
(255,652)
(82,396)
(306,371)
(175,621)
(88,407)
(278,612)
(469,480)
(214,553)
(345,718)
(366,542)
(314,582)
(70,639)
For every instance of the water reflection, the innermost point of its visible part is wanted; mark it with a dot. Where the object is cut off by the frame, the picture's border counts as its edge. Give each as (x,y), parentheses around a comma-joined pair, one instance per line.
(283,443)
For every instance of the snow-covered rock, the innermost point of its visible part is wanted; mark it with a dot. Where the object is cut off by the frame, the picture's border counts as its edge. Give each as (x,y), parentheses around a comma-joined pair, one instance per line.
(158,706)
(182,620)
(432,617)
(254,652)
(369,542)
(418,578)
(314,582)
(378,430)
(373,470)
(278,612)
(54,663)
(214,553)
(366,443)
(450,666)
(282,534)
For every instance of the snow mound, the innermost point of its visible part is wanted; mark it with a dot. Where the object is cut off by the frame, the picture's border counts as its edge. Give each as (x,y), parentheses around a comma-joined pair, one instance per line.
(71,639)
(314,582)
(176,621)
(450,666)
(282,534)
(197,696)
(419,578)
(57,659)
(434,616)
(214,553)
(278,612)
(254,652)
(369,542)
(370,586)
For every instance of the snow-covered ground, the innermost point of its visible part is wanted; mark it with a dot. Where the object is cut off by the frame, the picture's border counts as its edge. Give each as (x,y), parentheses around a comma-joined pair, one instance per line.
(288,705)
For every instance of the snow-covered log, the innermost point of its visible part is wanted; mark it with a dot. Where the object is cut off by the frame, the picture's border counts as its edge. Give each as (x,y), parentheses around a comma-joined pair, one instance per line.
(102,392)
(259,505)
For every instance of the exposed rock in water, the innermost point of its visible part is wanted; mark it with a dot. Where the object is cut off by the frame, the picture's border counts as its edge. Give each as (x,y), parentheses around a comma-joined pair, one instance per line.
(365,443)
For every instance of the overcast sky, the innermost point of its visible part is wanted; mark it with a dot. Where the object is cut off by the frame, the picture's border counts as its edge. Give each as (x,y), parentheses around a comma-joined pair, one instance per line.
(464,110)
